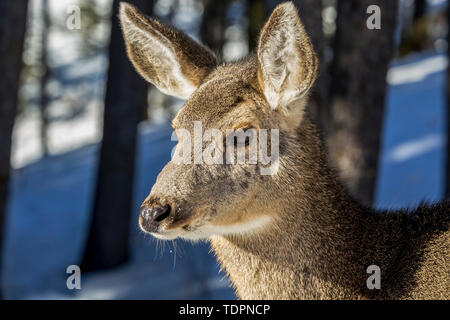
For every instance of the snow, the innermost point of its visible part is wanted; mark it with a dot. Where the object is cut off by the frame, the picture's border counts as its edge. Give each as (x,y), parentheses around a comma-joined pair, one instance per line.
(412,155)
(416,148)
(417,71)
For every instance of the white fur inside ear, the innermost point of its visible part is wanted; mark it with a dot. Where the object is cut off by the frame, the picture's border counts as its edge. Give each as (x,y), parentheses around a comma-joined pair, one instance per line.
(160,54)
(280,59)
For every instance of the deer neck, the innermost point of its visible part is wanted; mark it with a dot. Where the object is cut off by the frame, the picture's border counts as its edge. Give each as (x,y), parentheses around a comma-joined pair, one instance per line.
(311,240)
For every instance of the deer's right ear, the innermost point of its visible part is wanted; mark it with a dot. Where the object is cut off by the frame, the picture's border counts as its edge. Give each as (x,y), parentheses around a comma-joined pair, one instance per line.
(164,56)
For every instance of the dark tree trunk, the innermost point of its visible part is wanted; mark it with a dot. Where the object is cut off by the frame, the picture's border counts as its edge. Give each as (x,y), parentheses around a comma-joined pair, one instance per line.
(126,93)
(310,12)
(447,179)
(256,15)
(44,98)
(358,89)
(212,29)
(13,17)
(419,9)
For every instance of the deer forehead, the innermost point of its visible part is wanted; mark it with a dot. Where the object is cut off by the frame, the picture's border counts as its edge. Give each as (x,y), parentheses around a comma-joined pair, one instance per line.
(221,102)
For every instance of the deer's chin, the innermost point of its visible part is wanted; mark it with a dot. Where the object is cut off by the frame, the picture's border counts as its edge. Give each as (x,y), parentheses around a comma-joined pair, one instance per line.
(165,235)
(207,231)
(192,235)
(182,233)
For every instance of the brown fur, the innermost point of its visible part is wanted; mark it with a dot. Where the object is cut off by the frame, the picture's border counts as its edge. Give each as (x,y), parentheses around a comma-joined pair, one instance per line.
(319,241)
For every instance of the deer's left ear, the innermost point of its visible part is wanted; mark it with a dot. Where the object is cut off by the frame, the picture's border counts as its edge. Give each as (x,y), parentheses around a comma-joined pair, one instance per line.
(287,61)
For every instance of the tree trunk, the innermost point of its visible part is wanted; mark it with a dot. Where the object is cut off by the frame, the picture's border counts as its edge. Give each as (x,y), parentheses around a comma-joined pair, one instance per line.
(126,93)
(13,17)
(358,91)
(447,180)
(419,9)
(212,29)
(256,14)
(310,12)
(45,77)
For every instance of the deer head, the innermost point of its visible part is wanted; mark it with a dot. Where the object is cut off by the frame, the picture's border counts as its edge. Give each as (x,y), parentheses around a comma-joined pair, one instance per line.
(266,91)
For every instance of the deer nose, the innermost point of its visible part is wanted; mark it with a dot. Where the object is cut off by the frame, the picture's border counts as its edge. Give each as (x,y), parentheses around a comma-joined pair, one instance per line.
(152,216)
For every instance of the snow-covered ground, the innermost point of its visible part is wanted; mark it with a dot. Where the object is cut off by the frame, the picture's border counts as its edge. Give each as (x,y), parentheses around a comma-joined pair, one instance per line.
(414,137)
(50,201)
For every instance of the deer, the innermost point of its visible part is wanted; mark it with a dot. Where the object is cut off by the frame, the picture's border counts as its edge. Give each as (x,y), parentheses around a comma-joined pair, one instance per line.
(295,234)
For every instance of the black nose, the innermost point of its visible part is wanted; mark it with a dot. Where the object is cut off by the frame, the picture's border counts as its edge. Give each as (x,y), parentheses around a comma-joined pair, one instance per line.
(153,215)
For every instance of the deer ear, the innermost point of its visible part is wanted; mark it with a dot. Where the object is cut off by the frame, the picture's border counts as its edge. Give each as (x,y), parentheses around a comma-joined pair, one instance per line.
(164,56)
(287,61)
